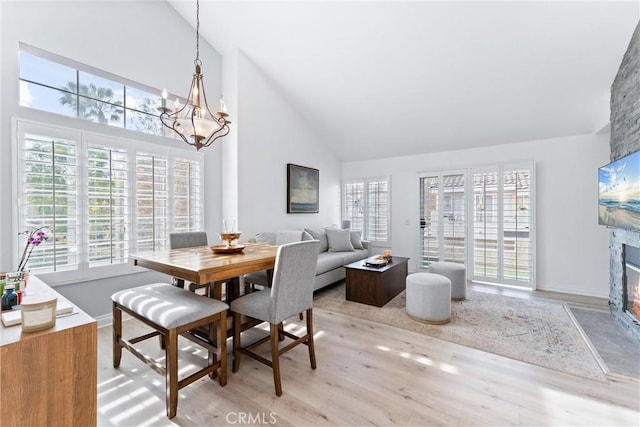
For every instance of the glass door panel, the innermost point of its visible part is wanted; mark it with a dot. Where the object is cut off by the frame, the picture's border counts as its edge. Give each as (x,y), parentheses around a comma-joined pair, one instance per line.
(442,218)
(503,241)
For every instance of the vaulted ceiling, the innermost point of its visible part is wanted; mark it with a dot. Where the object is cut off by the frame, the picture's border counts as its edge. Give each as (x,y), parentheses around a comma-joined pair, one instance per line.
(388,78)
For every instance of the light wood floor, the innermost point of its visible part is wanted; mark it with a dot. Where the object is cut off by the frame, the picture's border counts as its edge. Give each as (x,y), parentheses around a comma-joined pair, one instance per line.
(369,374)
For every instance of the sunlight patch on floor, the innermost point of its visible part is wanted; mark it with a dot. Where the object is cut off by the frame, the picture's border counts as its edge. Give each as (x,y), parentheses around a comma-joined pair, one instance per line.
(565,403)
(122,400)
(121,418)
(445,367)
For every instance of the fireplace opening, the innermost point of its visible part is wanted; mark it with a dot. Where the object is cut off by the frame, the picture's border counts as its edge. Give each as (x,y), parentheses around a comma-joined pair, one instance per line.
(631,282)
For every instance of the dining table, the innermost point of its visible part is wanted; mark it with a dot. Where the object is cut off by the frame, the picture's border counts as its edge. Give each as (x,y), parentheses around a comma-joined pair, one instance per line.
(201,265)
(219,270)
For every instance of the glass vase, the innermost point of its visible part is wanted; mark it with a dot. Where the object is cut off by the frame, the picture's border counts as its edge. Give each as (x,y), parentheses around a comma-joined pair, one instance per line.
(18,279)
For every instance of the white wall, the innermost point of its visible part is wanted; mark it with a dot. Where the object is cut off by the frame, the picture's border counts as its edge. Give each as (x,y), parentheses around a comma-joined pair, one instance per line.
(147,42)
(572,250)
(271,133)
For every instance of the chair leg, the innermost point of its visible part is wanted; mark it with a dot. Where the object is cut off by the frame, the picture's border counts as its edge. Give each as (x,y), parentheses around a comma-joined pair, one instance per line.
(310,343)
(212,335)
(171,379)
(221,331)
(236,342)
(275,358)
(117,334)
(280,332)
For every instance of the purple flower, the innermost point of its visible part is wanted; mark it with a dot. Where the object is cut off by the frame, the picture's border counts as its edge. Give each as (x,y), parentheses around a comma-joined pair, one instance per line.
(34,238)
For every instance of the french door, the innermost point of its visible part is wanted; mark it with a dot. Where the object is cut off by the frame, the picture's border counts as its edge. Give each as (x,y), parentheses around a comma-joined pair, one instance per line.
(442,218)
(503,249)
(483,218)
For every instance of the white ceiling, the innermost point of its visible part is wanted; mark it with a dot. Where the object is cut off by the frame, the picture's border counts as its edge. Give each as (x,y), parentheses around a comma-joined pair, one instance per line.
(387,78)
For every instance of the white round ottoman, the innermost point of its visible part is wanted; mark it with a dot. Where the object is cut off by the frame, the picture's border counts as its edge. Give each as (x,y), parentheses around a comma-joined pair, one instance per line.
(457,273)
(429,297)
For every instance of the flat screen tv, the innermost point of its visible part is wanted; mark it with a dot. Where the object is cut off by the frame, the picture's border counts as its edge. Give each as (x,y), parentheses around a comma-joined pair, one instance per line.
(619,193)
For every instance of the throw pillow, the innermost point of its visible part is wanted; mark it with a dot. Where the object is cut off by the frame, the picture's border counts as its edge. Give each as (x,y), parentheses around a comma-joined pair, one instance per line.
(321,235)
(339,240)
(356,240)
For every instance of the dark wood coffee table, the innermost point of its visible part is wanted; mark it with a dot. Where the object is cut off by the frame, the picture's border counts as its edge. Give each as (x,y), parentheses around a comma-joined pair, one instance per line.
(375,286)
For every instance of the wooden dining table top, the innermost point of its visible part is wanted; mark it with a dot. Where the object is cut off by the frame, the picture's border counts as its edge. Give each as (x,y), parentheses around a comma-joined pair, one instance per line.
(201,265)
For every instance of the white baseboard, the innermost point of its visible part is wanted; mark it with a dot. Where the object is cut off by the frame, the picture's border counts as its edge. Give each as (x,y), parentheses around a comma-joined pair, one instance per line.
(104,320)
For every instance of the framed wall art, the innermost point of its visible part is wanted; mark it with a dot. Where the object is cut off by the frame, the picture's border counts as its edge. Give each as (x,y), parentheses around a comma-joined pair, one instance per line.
(303,189)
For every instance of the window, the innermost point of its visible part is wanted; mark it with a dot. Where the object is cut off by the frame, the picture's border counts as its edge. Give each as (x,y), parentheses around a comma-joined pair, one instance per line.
(102,197)
(58,85)
(366,203)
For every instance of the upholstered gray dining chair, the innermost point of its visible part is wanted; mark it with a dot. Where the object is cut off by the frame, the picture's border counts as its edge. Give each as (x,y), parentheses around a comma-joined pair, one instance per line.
(291,293)
(187,240)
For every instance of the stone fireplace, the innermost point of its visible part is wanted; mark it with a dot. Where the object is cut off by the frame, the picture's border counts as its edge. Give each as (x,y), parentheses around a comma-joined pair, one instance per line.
(625,139)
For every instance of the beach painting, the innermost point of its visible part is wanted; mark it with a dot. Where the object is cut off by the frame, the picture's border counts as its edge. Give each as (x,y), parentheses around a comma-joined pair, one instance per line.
(303,189)
(619,193)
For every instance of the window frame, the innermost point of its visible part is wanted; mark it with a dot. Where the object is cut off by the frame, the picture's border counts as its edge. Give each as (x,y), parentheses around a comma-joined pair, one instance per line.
(21,127)
(83,68)
(366,182)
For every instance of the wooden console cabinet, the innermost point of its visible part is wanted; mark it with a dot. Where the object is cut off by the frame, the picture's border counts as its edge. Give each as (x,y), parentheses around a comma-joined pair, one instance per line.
(49,378)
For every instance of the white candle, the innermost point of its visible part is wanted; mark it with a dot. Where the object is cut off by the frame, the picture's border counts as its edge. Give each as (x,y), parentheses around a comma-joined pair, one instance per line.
(164,98)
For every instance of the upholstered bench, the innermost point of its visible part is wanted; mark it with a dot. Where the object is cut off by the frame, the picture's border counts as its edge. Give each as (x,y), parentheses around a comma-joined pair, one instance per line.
(457,273)
(429,297)
(172,311)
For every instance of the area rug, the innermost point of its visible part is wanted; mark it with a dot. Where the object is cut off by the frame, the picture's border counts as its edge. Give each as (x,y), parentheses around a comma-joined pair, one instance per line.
(532,331)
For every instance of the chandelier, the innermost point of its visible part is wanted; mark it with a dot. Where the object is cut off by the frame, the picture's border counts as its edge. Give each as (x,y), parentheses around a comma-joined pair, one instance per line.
(193,122)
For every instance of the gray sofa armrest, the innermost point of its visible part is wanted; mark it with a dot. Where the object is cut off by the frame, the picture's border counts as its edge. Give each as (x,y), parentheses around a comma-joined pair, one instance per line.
(367,245)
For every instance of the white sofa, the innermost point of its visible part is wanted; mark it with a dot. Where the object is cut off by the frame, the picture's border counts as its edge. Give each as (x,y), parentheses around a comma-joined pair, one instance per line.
(337,248)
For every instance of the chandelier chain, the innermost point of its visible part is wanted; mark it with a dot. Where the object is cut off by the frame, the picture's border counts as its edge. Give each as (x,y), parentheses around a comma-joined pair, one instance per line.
(197,61)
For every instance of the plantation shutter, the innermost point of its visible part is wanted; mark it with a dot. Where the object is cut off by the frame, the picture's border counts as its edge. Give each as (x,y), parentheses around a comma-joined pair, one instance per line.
(152,202)
(503,227)
(366,204)
(429,220)
(108,205)
(101,197)
(377,224)
(518,256)
(442,218)
(353,202)
(48,194)
(187,214)
(485,225)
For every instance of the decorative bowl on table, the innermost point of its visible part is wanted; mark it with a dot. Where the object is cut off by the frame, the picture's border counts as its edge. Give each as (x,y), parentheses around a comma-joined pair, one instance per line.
(224,249)
(230,237)
(229,247)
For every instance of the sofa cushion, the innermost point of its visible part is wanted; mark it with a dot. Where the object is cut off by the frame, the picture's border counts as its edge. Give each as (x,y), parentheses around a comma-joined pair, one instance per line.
(356,255)
(321,235)
(266,237)
(339,240)
(328,261)
(288,236)
(356,240)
